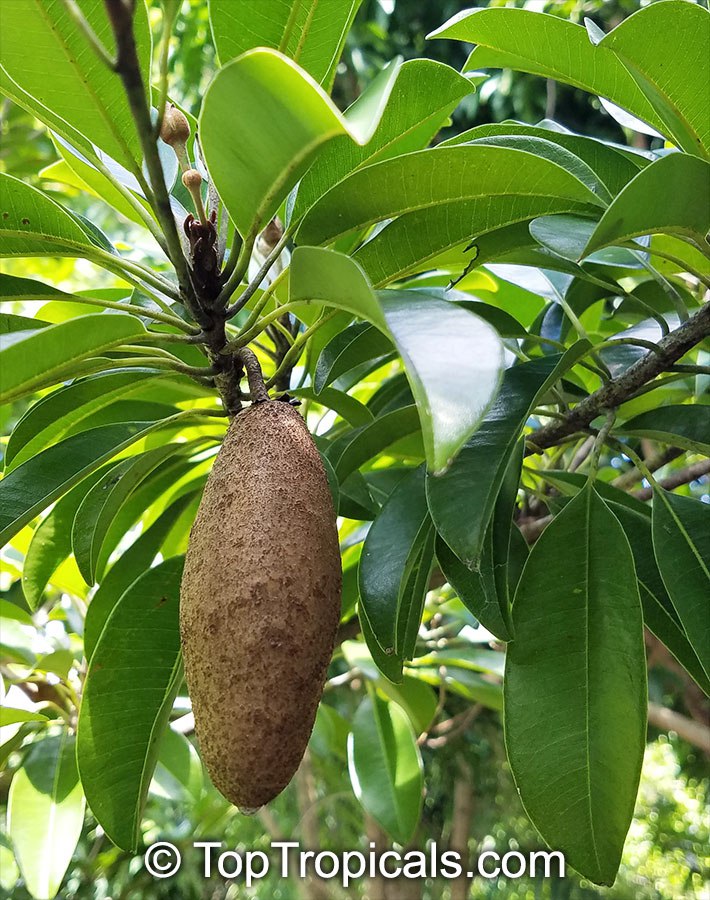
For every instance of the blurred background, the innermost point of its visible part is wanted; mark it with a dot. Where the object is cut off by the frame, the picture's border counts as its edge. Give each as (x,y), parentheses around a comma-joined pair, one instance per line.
(466,776)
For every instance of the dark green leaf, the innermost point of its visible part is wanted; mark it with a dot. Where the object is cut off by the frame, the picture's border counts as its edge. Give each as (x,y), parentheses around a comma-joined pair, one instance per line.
(575,680)
(115,772)
(357,344)
(671,196)
(658,611)
(681,543)
(389,553)
(685,426)
(461,500)
(127,568)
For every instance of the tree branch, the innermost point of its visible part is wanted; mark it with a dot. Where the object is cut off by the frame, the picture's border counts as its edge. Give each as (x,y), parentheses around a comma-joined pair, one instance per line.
(676,479)
(618,390)
(691,731)
(120,15)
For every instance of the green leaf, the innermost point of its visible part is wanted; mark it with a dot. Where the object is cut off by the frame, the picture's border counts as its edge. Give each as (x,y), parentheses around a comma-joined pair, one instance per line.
(672,74)
(46,813)
(388,555)
(423,96)
(127,568)
(178,772)
(51,541)
(614,166)
(11,716)
(461,499)
(453,359)
(476,589)
(681,543)
(348,408)
(31,487)
(671,196)
(66,410)
(122,717)
(357,344)
(686,426)
(32,224)
(46,356)
(427,179)
(549,46)
(311,32)
(575,680)
(364,443)
(102,503)
(64,75)
(289,118)
(659,614)
(385,766)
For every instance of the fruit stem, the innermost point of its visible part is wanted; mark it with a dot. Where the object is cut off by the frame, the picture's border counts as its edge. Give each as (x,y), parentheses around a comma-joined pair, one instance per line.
(257,388)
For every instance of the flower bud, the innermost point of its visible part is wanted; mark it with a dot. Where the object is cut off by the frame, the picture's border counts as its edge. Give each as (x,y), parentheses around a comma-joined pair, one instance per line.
(192,180)
(175,128)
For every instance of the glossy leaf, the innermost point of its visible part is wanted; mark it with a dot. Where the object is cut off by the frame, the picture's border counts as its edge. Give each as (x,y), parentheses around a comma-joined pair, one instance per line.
(386,767)
(681,544)
(102,503)
(122,718)
(127,568)
(67,409)
(461,499)
(51,541)
(289,118)
(31,487)
(613,166)
(47,355)
(348,408)
(671,74)
(680,426)
(365,443)
(575,679)
(476,589)
(388,554)
(453,359)
(311,33)
(46,813)
(357,344)
(549,46)
(423,96)
(64,75)
(659,614)
(671,196)
(429,178)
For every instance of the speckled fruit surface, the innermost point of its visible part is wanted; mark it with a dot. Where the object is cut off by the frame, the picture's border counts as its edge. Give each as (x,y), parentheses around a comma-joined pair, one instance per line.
(260,603)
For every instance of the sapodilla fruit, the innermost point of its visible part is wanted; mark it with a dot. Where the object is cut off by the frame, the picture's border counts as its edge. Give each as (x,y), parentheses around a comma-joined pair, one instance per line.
(260,603)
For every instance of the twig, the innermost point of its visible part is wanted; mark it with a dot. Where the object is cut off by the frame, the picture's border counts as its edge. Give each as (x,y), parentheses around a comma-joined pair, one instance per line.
(668,720)
(254,283)
(676,479)
(617,391)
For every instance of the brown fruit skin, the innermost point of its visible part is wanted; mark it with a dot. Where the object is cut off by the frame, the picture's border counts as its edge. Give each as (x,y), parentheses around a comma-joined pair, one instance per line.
(260,603)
